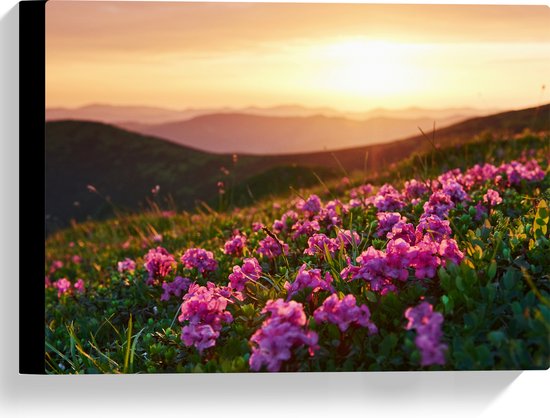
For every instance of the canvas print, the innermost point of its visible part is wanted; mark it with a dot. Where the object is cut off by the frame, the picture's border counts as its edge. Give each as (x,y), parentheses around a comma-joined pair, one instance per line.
(283,187)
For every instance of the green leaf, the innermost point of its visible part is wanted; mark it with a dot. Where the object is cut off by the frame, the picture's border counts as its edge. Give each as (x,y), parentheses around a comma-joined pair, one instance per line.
(371,297)
(541,219)
(509,279)
(492,270)
(496,337)
(387,344)
(459,283)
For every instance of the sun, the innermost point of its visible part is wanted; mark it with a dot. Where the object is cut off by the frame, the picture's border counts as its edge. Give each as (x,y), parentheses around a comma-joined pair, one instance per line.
(373,68)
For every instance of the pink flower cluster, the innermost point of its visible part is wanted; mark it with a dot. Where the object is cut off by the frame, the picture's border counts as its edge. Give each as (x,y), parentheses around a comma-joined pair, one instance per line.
(344,313)
(516,172)
(199,259)
(305,228)
(250,271)
(415,189)
(282,224)
(158,263)
(311,206)
(318,242)
(56,265)
(284,331)
(204,309)
(79,286)
(424,250)
(492,198)
(331,214)
(387,199)
(309,279)
(127,264)
(507,174)
(439,204)
(235,245)
(348,238)
(270,248)
(427,324)
(64,286)
(434,227)
(386,221)
(175,288)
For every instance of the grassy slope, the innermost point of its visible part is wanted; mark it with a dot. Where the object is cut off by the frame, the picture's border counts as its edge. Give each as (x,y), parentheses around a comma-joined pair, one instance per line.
(124,167)
(492,320)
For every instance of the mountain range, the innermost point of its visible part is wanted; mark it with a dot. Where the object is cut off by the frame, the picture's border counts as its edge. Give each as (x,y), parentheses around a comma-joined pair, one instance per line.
(155,115)
(268,131)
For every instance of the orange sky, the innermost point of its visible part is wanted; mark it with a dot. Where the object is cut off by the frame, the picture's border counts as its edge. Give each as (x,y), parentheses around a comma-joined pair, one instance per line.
(346,56)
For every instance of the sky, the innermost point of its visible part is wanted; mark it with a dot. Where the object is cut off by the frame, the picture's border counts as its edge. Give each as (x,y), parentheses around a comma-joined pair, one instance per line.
(351,57)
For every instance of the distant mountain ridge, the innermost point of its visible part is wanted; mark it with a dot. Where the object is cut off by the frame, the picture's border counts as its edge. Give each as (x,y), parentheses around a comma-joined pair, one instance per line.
(267,135)
(155,115)
(267,130)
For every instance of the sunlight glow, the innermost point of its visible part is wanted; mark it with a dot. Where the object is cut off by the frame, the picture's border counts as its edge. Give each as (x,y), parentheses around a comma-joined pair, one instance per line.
(371,68)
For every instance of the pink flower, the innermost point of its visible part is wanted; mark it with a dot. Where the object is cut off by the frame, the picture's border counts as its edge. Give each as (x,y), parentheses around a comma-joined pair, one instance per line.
(434,227)
(311,206)
(404,231)
(56,265)
(158,263)
(415,189)
(492,198)
(305,228)
(448,249)
(76,259)
(387,199)
(175,288)
(204,310)
(344,313)
(348,238)
(257,226)
(79,286)
(438,204)
(63,286)
(426,260)
(128,265)
(455,191)
(317,244)
(309,279)
(236,244)
(200,259)
(386,221)
(427,324)
(279,335)
(201,336)
(250,271)
(282,224)
(270,248)
(398,258)
(371,268)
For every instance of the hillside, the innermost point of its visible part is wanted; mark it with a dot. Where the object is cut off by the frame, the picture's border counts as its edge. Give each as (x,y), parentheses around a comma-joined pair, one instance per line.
(267,135)
(376,157)
(124,167)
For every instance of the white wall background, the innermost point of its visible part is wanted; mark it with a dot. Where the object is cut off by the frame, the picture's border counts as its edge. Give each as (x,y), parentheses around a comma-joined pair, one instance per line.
(460,394)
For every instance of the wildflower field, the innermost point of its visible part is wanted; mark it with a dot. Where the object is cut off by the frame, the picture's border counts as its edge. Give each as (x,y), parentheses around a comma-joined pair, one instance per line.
(441,263)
